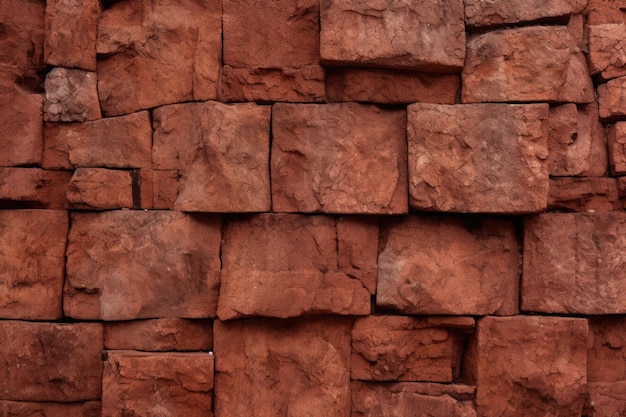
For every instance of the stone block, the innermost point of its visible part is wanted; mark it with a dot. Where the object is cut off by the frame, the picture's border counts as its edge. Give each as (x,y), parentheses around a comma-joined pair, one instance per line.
(338,158)
(143,190)
(33,188)
(478,157)
(125,265)
(165,189)
(607,50)
(221,152)
(100,189)
(71,96)
(157,384)
(21,46)
(156,52)
(536,63)
(357,249)
(446,265)
(606,359)
(55,146)
(583,194)
(606,399)
(50,361)
(573,263)
(419,35)
(484,13)
(50,409)
(605,11)
(529,366)
(159,335)
(612,100)
(282,367)
(616,139)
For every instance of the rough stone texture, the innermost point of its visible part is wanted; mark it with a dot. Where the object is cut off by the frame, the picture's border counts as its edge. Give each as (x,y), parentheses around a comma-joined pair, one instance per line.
(607,50)
(50,362)
(576,141)
(55,146)
(617,148)
(157,384)
(338,158)
(33,188)
(282,265)
(612,99)
(143,191)
(32,262)
(607,352)
(165,189)
(408,399)
(421,35)
(273,84)
(159,335)
(64,20)
(71,96)
(395,348)
(156,52)
(391,87)
(98,188)
(481,13)
(49,409)
(478,157)
(529,366)
(124,265)
(605,11)
(573,263)
(280,33)
(538,63)
(357,249)
(446,265)
(583,194)
(605,399)
(221,152)
(282,368)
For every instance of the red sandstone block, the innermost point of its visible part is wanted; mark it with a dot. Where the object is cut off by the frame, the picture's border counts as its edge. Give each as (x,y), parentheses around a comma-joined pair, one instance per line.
(55,146)
(279,368)
(49,409)
(157,384)
(396,348)
(165,189)
(393,34)
(612,99)
(411,399)
(446,265)
(583,194)
(529,366)
(32,262)
(221,152)
(617,148)
(338,158)
(124,265)
(159,335)
(50,362)
(605,11)
(606,359)
(478,158)
(65,19)
(537,63)
(101,189)
(481,13)
(71,96)
(357,249)
(33,188)
(605,399)
(607,50)
(574,263)
(21,46)
(157,52)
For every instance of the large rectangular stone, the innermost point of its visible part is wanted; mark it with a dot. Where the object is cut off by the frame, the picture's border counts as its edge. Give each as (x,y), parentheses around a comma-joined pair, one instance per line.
(612,100)
(99,188)
(33,188)
(483,13)
(584,194)
(71,96)
(159,335)
(607,49)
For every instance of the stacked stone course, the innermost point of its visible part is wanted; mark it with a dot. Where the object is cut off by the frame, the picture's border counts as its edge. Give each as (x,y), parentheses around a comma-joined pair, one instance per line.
(312,208)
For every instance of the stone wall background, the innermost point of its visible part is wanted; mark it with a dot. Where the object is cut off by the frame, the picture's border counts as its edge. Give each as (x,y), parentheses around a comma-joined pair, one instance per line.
(302,208)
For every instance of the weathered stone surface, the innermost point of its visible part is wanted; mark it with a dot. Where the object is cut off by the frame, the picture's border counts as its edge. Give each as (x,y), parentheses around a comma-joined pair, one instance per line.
(612,99)
(605,399)
(157,52)
(478,157)
(338,158)
(98,188)
(55,146)
(396,348)
(391,87)
(289,268)
(607,50)
(32,261)
(529,366)
(65,19)
(407,399)
(50,362)
(573,263)
(481,13)
(124,265)
(576,141)
(273,84)
(222,154)
(607,352)
(49,409)
(157,384)
(420,35)
(605,11)
(280,33)
(282,368)
(33,188)
(71,96)
(357,249)
(617,148)
(583,194)
(159,335)
(165,189)
(143,191)
(538,63)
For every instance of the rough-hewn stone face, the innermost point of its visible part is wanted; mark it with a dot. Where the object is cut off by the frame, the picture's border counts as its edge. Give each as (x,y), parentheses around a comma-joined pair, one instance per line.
(607,54)
(158,384)
(357,249)
(481,13)
(478,158)
(617,148)
(527,366)
(125,265)
(57,362)
(445,265)
(49,409)
(428,36)
(612,99)
(583,194)
(607,352)
(159,335)
(338,158)
(33,188)
(98,188)
(605,399)
(157,52)
(222,154)
(538,63)
(282,368)
(71,96)
(573,263)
